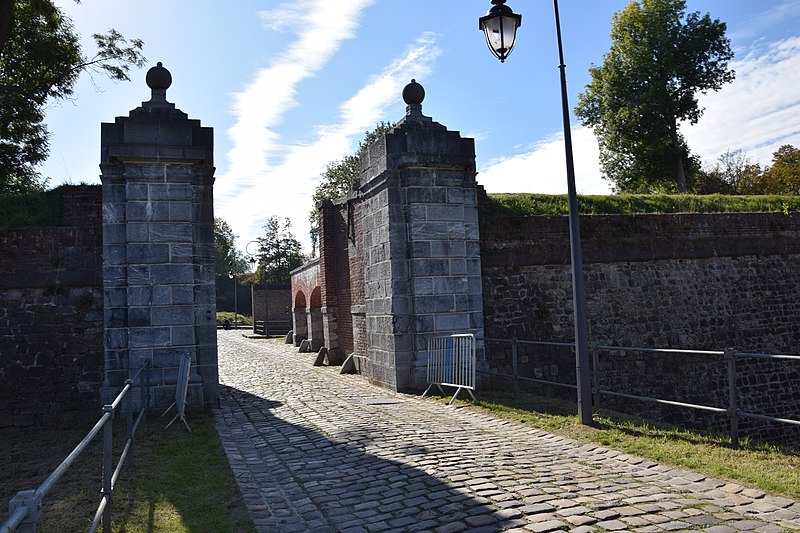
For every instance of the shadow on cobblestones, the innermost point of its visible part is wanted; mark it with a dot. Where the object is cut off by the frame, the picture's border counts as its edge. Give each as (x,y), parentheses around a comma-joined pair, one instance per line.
(313,450)
(295,478)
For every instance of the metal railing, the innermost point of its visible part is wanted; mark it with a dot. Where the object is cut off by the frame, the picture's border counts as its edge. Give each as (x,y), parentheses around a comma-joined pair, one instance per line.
(451,363)
(25,508)
(730,356)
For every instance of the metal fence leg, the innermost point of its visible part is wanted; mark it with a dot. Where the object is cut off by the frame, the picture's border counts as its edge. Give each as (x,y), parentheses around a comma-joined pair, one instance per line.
(732,407)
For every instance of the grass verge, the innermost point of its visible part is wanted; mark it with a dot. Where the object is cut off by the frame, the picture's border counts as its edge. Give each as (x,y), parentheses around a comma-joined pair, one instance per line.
(771,468)
(179,481)
(524,204)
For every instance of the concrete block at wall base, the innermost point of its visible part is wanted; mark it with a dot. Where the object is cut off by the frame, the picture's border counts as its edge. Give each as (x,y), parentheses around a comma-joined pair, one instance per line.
(336,357)
(321,355)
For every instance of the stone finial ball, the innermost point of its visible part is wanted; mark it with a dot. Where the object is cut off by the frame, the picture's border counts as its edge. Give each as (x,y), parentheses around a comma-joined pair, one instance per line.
(413,93)
(158,77)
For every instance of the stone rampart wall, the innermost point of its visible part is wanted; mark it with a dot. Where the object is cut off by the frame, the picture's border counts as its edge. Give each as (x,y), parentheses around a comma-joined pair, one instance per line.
(705,282)
(51,316)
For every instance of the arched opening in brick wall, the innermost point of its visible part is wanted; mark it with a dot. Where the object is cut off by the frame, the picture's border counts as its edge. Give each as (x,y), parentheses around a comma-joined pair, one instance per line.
(300,318)
(315,325)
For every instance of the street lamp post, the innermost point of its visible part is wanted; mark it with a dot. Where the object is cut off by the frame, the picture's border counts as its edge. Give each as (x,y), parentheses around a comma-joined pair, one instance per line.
(254,266)
(232,276)
(500,28)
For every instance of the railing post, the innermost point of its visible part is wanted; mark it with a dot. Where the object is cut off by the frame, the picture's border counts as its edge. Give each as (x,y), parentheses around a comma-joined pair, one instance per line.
(129,407)
(733,415)
(108,467)
(514,363)
(596,378)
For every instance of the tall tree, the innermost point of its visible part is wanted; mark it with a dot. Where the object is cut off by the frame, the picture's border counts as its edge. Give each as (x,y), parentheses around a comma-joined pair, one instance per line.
(279,252)
(227,258)
(783,177)
(40,62)
(660,59)
(733,173)
(340,176)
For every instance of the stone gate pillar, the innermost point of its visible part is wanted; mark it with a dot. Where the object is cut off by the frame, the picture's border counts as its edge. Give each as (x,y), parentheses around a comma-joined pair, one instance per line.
(422,270)
(157,173)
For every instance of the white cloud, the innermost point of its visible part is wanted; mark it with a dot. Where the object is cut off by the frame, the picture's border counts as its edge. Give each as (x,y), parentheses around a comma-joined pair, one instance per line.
(759,111)
(248,200)
(261,106)
(543,169)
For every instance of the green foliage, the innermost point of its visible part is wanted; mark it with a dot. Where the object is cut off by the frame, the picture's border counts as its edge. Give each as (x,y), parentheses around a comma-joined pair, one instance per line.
(340,176)
(735,173)
(239,318)
(37,208)
(279,252)
(660,58)
(227,258)
(622,204)
(783,177)
(40,62)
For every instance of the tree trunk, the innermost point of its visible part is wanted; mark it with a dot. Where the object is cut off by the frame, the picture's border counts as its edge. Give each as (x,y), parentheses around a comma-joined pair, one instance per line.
(677,153)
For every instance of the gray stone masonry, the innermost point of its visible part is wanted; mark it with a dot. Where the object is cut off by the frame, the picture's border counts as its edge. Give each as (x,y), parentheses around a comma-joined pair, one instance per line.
(313,450)
(422,269)
(158,247)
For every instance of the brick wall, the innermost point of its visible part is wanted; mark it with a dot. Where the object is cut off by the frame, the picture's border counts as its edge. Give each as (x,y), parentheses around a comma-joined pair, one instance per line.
(705,282)
(275,303)
(51,316)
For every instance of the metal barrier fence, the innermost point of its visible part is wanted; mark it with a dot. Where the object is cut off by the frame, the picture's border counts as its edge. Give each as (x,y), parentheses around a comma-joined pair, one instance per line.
(271,327)
(731,356)
(451,363)
(25,507)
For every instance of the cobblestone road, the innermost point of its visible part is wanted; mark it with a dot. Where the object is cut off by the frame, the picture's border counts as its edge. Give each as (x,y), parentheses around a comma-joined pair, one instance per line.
(316,451)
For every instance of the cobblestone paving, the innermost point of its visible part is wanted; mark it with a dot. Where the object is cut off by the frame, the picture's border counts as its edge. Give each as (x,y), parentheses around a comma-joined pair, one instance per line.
(313,450)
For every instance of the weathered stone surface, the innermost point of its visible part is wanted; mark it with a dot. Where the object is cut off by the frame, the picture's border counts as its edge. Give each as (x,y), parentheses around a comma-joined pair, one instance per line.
(704,282)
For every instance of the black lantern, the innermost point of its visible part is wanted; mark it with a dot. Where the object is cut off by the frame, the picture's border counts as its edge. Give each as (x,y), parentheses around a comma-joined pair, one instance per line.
(500,28)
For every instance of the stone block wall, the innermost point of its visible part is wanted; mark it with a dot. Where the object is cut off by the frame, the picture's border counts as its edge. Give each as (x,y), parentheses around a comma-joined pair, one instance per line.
(422,273)
(157,171)
(51,316)
(705,282)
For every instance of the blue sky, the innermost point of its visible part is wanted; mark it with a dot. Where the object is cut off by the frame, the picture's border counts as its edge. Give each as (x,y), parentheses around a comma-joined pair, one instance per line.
(290,86)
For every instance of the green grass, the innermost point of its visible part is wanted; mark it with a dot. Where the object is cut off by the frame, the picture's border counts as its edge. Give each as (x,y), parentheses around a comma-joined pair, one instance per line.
(185,484)
(771,468)
(178,482)
(556,205)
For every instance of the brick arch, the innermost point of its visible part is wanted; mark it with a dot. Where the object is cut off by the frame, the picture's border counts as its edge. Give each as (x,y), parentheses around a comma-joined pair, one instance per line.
(316,297)
(305,281)
(299,299)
